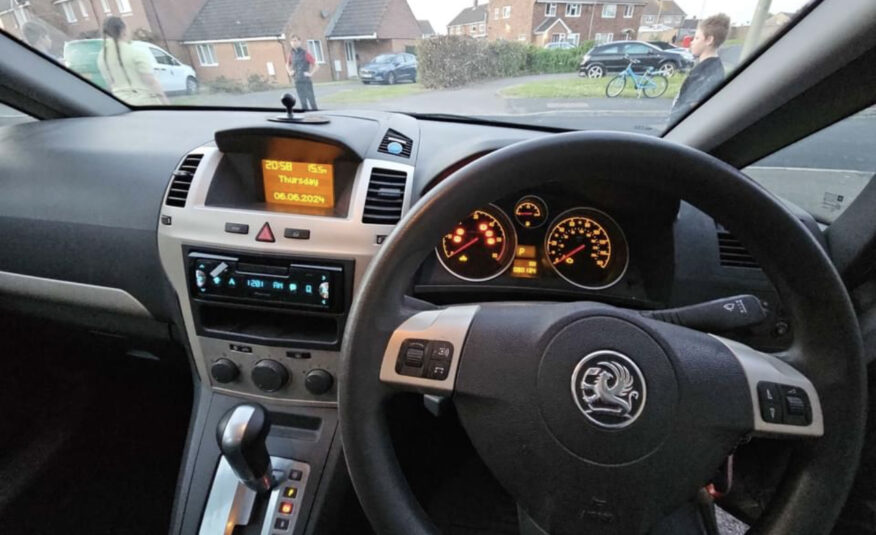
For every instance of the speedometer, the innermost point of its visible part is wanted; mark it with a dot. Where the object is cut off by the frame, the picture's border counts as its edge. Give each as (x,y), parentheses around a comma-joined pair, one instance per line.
(480,247)
(587,248)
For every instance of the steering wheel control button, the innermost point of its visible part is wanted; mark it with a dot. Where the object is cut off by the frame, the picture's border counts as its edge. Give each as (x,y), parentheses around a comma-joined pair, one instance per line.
(290,492)
(609,389)
(266,235)
(281,524)
(269,375)
(224,371)
(295,475)
(429,359)
(318,382)
(798,410)
(236,228)
(770,398)
(296,233)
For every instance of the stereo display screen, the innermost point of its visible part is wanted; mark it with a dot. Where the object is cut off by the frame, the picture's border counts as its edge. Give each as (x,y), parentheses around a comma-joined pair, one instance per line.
(299,183)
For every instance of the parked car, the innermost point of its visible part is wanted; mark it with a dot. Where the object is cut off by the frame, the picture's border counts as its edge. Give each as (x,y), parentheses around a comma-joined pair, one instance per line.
(612,57)
(173,75)
(663,45)
(561,45)
(389,69)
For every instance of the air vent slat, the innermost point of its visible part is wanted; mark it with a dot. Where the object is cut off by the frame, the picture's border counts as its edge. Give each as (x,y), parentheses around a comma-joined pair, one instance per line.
(181,180)
(733,253)
(385,197)
(393,136)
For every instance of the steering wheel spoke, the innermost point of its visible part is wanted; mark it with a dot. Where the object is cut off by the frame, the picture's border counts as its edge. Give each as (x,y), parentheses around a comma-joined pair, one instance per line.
(424,352)
(784,401)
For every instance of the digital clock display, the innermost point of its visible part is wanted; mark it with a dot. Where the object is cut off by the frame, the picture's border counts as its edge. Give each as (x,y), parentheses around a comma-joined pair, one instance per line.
(299,183)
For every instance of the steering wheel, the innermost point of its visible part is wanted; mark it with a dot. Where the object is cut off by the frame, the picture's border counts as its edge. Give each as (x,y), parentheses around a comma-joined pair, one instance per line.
(594,418)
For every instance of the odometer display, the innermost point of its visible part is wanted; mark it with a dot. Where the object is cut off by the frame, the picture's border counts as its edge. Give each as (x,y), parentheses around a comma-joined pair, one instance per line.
(587,248)
(480,247)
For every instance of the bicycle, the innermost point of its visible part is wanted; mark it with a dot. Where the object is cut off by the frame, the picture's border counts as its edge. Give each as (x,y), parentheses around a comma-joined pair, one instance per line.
(649,83)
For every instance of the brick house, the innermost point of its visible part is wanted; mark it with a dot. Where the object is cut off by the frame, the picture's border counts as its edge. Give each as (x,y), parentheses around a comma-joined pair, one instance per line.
(363,29)
(541,22)
(426,30)
(230,40)
(471,21)
(160,21)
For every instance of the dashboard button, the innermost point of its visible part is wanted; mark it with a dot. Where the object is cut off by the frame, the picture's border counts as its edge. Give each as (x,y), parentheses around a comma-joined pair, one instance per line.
(318,381)
(266,234)
(269,375)
(236,228)
(297,233)
(224,371)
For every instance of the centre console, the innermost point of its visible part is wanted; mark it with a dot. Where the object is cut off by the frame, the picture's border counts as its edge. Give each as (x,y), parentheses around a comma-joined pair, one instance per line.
(264,235)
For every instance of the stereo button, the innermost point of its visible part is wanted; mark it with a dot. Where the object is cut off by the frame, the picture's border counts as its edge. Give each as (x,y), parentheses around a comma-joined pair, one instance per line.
(236,228)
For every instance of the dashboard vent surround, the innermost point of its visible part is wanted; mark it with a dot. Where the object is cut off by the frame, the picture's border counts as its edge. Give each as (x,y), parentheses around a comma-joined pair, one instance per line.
(732,253)
(391,137)
(386,196)
(181,180)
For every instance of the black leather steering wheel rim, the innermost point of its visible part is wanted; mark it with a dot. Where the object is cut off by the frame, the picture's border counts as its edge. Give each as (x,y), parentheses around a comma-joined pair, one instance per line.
(827,346)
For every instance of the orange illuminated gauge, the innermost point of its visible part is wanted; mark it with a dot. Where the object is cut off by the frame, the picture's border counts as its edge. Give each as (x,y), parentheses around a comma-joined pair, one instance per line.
(587,248)
(530,212)
(480,247)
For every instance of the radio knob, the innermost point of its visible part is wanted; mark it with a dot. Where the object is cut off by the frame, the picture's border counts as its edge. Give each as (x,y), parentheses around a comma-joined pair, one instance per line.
(269,375)
(318,381)
(224,371)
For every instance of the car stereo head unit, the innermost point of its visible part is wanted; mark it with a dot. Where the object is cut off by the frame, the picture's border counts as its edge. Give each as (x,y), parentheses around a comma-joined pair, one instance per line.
(264,281)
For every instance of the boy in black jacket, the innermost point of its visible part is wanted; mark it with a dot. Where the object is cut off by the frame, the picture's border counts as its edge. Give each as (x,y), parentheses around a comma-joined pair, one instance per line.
(709,72)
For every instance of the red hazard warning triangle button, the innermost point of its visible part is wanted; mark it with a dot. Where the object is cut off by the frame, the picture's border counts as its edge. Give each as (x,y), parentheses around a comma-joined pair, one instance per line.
(265,234)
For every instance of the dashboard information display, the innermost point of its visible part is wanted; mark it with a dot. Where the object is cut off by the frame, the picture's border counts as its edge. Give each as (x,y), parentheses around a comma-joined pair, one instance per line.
(299,183)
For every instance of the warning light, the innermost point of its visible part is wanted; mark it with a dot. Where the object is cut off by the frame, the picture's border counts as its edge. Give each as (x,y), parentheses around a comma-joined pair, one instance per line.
(570,260)
(463,259)
(526,251)
(286,508)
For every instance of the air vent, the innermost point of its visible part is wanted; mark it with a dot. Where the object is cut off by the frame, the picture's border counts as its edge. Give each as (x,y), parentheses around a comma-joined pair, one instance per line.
(386,195)
(732,252)
(396,144)
(181,180)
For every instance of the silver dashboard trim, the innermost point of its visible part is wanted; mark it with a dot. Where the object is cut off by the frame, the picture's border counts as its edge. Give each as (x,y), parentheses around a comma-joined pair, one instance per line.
(72,293)
(765,367)
(199,226)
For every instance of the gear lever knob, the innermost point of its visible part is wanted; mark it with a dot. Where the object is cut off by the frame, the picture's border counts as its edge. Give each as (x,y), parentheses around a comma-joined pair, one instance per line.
(241,434)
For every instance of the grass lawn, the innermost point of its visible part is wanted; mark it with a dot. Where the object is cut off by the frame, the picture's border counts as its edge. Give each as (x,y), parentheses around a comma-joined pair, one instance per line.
(371,93)
(580,88)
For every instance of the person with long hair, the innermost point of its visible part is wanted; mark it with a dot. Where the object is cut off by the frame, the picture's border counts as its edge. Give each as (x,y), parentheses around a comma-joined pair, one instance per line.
(127,70)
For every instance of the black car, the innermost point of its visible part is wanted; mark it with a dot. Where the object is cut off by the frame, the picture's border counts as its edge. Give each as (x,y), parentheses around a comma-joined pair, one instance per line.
(612,57)
(389,69)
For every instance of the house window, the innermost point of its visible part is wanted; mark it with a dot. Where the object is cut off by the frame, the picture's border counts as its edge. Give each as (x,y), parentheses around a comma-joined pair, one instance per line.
(315,47)
(241,50)
(482,27)
(609,11)
(522,37)
(604,38)
(83,10)
(574,38)
(550,10)
(667,20)
(104,4)
(506,12)
(628,11)
(573,10)
(648,19)
(496,13)
(474,28)
(124,6)
(206,55)
(558,37)
(68,12)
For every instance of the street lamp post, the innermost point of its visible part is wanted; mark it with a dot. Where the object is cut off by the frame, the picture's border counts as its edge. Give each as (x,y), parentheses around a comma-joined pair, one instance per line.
(752,40)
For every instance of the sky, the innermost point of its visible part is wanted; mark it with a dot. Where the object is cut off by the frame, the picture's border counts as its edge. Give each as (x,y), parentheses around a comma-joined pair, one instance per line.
(440,12)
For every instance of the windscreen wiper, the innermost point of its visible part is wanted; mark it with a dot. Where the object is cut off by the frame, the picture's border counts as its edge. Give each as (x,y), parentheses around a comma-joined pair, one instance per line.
(468,119)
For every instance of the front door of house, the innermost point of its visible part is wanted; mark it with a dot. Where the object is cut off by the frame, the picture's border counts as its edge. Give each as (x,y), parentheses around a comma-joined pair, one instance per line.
(350,52)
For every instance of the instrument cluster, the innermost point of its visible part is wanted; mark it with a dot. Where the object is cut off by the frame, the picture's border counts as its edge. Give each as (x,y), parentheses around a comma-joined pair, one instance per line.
(582,245)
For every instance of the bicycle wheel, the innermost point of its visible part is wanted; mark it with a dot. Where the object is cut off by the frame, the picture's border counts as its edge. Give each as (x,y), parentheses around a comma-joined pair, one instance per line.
(656,86)
(616,86)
